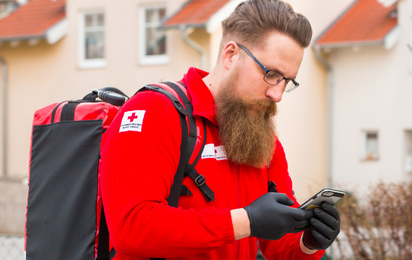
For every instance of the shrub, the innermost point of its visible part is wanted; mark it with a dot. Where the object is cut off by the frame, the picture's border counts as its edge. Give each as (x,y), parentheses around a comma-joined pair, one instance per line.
(379,227)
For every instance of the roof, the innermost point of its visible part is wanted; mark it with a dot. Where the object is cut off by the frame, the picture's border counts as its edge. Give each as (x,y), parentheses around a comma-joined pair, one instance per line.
(195,13)
(32,20)
(364,22)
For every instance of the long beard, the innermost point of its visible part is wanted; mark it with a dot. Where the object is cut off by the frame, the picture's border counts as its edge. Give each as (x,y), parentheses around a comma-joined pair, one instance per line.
(246,128)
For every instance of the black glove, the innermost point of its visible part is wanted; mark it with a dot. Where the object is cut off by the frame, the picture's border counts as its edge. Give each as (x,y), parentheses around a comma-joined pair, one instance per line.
(325,227)
(271,217)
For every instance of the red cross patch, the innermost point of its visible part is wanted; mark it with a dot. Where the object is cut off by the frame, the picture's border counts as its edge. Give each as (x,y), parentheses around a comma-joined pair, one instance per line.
(132,121)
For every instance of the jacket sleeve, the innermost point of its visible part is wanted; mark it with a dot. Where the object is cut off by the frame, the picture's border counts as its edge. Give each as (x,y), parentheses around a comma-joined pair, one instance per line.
(288,247)
(137,172)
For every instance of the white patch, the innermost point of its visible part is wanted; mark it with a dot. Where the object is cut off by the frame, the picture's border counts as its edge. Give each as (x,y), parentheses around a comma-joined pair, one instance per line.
(220,153)
(210,151)
(132,121)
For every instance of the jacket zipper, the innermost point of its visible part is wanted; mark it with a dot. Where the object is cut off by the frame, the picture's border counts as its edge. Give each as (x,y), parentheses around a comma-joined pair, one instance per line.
(238,206)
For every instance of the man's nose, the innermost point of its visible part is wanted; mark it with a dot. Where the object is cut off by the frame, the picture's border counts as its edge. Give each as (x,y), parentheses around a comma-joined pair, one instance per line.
(275,92)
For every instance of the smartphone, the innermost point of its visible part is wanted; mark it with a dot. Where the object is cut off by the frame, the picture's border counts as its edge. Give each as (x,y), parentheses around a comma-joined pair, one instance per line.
(327,194)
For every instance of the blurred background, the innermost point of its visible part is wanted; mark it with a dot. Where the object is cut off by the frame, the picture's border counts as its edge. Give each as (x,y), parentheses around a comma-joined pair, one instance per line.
(347,126)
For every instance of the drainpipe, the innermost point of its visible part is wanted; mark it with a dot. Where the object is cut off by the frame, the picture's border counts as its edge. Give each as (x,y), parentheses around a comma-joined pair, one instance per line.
(194,45)
(4,109)
(330,89)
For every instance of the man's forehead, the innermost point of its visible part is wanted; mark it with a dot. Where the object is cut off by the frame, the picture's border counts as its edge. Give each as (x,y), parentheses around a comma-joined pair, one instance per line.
(280,53)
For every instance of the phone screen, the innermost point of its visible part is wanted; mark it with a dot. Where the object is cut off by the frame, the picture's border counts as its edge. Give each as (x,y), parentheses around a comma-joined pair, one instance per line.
(326,195)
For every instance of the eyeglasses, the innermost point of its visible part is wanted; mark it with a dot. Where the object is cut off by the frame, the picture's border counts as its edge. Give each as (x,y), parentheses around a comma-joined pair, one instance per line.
(272,77)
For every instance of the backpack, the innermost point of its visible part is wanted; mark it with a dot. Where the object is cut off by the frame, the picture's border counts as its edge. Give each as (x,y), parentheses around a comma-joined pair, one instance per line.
(65,215)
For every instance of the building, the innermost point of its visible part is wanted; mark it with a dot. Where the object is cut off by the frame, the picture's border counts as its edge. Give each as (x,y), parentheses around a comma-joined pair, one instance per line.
(370,82)
(67,48)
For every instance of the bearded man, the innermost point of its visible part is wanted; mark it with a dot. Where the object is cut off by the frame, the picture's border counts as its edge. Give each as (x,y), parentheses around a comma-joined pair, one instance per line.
(260,55)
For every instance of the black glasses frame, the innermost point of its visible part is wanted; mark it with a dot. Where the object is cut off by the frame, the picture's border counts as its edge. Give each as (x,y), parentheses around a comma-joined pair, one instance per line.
(296,84)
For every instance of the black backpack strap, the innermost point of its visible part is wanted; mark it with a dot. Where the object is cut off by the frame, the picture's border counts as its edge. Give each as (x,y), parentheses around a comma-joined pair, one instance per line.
(191,119)
(174,195)
(272,186)
(103,243)
(54,111)
(185,190)
(190,169)
(203,144)
(186,147)
(67,113)
(200,181)
(175,101)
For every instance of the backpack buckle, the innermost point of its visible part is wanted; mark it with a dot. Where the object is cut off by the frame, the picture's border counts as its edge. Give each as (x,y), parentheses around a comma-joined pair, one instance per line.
(200,180)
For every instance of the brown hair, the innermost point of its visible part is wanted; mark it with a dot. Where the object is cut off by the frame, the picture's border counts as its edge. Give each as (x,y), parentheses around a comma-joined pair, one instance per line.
(253,19)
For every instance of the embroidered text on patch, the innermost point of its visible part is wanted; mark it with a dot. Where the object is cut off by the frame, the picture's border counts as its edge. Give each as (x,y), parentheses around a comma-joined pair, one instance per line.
(210,151)
(132,121)
(220,153)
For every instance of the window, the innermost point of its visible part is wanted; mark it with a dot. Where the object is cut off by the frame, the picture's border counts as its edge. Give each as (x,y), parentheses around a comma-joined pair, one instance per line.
(408,152)
(6,7)
(369,145)
(153,41)
(410,47)
(91,40)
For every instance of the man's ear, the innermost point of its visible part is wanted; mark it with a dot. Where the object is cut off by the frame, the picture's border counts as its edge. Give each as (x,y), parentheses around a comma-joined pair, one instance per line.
(230,54)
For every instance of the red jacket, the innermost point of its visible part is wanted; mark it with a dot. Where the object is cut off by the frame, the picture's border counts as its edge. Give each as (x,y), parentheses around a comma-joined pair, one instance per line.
(137,172)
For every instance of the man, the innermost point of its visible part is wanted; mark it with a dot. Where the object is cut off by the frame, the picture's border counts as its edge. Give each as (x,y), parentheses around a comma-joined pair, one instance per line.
(238,101)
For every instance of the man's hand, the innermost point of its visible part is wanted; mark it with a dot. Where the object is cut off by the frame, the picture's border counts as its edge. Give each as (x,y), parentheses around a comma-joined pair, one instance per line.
(271,217)
(325,227)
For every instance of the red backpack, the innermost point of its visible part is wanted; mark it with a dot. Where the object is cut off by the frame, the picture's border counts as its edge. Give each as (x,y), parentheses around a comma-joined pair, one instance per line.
(65,216)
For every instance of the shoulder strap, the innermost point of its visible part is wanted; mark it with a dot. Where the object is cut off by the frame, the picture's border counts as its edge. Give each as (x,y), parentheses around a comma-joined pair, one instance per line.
(187,145)
(174,195)
(186,154)
(173,198)
(191,119)
(104,241)
(190,170)
(203,144)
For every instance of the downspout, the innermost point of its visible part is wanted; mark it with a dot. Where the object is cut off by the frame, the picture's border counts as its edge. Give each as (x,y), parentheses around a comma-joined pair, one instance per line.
(330,90)
(203,58)
(4,109)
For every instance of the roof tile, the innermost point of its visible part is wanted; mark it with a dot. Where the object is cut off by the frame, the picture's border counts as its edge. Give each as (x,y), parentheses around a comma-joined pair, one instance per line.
(32,19)
(195,12)
(364,21)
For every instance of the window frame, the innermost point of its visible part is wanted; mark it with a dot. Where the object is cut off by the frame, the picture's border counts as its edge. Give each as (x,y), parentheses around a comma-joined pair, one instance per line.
(84,63)
(7,5)
(410,46)
(407,151)
(363,146)
(147,60)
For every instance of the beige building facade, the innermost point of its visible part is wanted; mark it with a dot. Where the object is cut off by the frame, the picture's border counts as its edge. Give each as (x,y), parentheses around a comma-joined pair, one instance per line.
(372,100)
(105,43)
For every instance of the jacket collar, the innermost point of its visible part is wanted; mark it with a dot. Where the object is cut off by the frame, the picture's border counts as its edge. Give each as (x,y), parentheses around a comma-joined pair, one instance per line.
(202,100)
